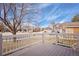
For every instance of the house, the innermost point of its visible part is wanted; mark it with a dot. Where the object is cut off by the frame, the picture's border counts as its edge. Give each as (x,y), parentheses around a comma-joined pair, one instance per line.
(47,30)
(72,27)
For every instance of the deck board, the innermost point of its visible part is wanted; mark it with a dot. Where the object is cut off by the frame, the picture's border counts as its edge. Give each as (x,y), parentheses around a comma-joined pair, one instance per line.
(46,50)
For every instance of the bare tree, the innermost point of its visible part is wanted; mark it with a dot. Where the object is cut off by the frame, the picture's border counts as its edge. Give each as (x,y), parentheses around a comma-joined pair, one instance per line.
(33,16)
(12,15)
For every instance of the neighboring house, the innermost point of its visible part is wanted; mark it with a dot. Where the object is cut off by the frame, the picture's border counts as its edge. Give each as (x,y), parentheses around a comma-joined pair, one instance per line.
(72,27)
(47,30)
(37,29)
(26,27)
(59,28)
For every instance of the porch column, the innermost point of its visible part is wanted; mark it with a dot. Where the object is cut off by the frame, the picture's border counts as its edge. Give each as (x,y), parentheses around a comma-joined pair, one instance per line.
(0,43)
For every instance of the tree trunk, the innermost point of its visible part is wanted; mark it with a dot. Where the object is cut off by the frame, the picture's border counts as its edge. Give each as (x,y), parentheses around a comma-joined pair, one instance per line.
(14,37)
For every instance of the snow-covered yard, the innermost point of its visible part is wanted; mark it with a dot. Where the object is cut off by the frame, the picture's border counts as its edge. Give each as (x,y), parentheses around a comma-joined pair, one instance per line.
(8,33)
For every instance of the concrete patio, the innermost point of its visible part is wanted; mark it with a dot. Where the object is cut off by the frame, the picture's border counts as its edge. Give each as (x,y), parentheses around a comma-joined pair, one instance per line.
(45,50)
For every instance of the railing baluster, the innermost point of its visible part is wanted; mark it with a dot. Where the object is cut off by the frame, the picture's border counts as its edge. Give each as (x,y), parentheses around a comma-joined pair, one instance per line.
(6,45)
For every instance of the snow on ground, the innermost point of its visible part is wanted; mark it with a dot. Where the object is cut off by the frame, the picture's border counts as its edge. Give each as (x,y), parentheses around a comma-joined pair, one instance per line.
(8,33)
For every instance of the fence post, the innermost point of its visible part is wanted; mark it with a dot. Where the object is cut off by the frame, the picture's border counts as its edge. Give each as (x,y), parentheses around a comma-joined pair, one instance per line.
(0,43)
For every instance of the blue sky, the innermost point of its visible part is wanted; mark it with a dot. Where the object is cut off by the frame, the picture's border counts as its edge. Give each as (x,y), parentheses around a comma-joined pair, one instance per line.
(57,12)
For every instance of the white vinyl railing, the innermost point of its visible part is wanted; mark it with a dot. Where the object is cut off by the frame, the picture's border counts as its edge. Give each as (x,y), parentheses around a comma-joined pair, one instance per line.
(21,41)
(8,45)
(69,40)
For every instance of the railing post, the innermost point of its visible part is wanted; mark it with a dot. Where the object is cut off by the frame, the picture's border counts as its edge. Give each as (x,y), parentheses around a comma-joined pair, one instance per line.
(57,38)
(0,43)
(43,38)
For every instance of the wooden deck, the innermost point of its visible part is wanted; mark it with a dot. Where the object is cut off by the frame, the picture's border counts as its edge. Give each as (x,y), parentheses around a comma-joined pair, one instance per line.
(46,50)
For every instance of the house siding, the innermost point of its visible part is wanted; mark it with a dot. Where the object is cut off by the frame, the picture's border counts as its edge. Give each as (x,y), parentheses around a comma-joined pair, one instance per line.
(76,30)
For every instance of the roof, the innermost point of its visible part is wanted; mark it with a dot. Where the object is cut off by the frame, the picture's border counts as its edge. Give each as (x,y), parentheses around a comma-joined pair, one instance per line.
(70,25)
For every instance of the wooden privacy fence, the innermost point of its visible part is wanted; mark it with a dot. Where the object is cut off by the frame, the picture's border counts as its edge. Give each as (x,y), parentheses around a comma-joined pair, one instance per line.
(8,45)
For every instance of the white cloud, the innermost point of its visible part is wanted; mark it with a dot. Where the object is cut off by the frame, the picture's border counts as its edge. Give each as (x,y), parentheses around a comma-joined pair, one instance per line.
(50,13)
(66,19)
(62,21)
(44,5)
